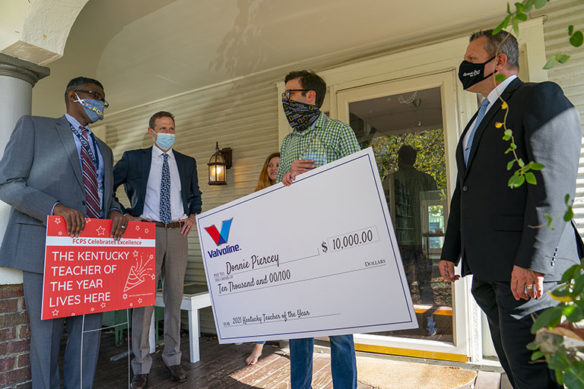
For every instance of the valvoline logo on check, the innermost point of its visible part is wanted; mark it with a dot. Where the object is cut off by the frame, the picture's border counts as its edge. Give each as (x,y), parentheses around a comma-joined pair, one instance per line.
(221,238)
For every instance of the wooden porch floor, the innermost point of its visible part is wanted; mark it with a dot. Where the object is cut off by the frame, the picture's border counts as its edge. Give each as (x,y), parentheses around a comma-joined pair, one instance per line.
(220,367)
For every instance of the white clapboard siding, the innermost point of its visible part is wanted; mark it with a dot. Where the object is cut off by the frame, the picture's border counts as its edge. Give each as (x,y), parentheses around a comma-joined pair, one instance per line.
(570,76)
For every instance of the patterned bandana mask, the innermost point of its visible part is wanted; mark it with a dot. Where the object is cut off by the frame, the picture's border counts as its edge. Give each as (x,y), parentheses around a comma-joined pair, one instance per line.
(301,116)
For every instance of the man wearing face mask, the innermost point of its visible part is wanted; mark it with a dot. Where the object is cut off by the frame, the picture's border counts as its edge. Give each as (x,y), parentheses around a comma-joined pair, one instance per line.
(501,234)
(314,141)
(57,167)
(162,187)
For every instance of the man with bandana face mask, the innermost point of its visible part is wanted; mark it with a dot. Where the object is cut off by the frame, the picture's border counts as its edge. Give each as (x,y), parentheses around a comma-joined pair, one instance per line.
(57,167)
(500,233)
(162,187)
(315,140)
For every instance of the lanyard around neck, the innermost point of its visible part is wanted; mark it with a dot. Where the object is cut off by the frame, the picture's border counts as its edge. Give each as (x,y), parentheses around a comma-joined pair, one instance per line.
(85,145)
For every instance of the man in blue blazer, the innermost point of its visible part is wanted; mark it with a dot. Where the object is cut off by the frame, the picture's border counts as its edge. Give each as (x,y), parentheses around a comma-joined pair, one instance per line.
(43,172)
(162,187)
(501,234)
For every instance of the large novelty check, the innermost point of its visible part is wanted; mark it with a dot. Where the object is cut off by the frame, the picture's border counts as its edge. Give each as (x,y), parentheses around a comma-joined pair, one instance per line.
(316,258)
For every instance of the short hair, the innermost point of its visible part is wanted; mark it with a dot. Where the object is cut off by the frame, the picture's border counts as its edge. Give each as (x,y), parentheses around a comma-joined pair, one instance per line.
(158,115)
(310,81)
(407,155)
(79,81)
(501,42)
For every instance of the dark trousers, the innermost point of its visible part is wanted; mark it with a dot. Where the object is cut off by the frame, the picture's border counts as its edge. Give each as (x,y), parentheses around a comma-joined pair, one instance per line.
(82,348)
(510,324)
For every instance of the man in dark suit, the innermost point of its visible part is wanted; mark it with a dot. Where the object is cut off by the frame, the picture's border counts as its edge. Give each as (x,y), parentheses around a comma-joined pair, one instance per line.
(501,234)
(45,171)
(162,187)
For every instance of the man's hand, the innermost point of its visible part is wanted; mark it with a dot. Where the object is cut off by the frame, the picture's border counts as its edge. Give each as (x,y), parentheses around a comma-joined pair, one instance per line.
(119,224)
(187,224)
(447,271)
(73,218)
(299,166)
(526,284)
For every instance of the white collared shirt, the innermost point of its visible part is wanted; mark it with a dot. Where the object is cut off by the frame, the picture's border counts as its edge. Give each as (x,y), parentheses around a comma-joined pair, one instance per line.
(492,97)
(152,200)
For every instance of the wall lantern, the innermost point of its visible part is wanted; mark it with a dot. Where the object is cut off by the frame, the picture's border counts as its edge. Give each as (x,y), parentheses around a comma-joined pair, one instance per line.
(218,165)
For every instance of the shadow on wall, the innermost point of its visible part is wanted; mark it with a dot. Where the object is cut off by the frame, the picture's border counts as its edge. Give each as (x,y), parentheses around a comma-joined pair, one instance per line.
(243,38)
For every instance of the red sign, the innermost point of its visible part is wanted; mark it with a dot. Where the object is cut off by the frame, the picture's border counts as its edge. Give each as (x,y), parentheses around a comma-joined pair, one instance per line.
(94,273)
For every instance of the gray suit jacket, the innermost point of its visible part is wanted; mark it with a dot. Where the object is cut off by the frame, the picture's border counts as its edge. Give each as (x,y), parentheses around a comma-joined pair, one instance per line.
(41,166)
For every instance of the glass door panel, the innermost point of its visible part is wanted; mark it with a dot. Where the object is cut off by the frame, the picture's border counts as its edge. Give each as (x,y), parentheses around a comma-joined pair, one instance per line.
(406,133)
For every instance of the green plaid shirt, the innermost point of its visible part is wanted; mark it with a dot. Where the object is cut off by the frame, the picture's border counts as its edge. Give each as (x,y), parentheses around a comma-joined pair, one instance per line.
(327,141)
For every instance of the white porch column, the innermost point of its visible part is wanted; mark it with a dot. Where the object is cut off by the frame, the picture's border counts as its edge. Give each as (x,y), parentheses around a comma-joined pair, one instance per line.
(17,78)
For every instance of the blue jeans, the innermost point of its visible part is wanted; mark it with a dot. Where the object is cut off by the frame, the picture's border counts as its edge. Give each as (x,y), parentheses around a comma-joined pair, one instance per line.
(343,362)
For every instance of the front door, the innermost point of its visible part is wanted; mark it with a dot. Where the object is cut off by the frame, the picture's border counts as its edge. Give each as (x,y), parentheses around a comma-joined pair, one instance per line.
(410,124)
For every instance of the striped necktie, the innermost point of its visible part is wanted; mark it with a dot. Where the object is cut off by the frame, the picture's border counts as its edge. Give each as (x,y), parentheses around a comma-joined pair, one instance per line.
(165,192)
(89,177)
(480,117)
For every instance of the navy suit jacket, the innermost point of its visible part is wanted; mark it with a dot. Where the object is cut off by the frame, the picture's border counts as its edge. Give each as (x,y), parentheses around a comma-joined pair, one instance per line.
(133,169)
(493,227)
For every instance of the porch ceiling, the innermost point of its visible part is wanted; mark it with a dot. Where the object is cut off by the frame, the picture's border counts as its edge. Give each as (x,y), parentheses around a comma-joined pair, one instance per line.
(143,50)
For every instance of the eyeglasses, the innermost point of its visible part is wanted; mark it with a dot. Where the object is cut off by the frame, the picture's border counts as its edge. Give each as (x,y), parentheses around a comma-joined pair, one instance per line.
(287,93)
(95,95)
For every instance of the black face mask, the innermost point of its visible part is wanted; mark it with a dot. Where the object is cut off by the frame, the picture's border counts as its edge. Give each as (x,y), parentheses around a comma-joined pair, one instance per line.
(470,73)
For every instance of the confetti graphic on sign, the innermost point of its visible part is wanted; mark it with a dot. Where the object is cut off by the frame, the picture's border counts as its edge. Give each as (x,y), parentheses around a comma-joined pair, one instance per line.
(137,275)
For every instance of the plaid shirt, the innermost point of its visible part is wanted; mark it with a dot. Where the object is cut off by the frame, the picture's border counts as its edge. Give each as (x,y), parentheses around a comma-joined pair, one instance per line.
(327,141)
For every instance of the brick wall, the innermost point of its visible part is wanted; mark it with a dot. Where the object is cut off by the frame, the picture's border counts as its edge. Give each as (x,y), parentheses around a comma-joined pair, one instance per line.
(14,339)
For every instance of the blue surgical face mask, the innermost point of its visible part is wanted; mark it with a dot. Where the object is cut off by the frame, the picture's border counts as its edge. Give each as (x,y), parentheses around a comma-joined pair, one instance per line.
(164,140)
(93,108)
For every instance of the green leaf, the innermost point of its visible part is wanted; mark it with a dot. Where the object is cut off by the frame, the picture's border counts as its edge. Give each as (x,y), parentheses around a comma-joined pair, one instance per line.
(576,315)
(540,3)
(522,16)
(567,199)
(510,164)
(578,283)
(503,24)
(508,150)
(559,377)
(548,318)
(577,39)
(562,58)
(562,291)
(520,162)
(519,7)
(508,8)
(570,29)
(549,221)
(537,355)
(532,346)
(508,132)
(536,166)
(574,378)
(500,77)
(568,310)
(530,178)
(515,181)
(550,63)
(569,215)
(570,273)
(515,26)
(506,137)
